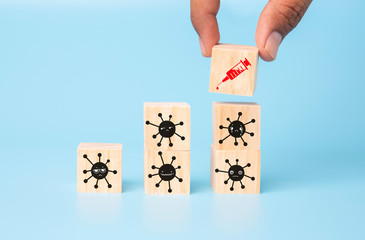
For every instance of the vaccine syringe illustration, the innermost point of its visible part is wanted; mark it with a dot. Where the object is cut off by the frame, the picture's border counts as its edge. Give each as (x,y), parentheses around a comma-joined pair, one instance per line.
(236,70)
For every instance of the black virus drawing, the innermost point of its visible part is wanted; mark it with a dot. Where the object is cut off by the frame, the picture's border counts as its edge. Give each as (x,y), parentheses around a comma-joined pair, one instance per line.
(166,129)
(237,129)
(166,172)
(99,171)
(235,173)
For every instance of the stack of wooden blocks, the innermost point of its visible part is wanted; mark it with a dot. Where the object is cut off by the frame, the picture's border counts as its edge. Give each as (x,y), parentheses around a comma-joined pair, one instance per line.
(167,148)
(235,152)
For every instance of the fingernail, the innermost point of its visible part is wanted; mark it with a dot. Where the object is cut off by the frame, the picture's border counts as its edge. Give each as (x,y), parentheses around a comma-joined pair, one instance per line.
(272,44)
(202,48)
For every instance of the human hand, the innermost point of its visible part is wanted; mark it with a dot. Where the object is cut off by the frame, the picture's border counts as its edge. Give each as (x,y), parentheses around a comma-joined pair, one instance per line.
(278,18)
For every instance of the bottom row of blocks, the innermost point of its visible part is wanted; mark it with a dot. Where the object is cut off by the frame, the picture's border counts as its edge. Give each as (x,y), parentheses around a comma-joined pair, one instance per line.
(99,169)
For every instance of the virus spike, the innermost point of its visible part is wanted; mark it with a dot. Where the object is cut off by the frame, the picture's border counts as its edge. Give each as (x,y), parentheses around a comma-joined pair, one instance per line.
(222,140)
(154,167)
(221,127)
(226,181)
(170,190)
(244,143)
(170,143)
(113,171)
(247,165)
(158,184)
(151,175)
(149,123)
(86,171)
(227,161)
(178,167)
(107,161)
(109,185)
(252,121)
(250,133)
(235,141)
(252,178)
(99,155)
(232,186)
(155,135)
(85,180)
(159,143)
(96,184)
(170,116)
(160,153)
(229,120)
(237,161)
(180,123)
(173,159)
(239,115)
(182,137)
(180,179)
(242,186)
(160,115)
(217,170)
(85,156)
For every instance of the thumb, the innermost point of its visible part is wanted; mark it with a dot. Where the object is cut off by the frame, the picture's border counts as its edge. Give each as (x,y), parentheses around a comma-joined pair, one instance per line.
(278,18)
(203,16)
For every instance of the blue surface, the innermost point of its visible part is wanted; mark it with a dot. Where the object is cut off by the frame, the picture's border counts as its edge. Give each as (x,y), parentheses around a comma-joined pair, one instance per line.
(75,72)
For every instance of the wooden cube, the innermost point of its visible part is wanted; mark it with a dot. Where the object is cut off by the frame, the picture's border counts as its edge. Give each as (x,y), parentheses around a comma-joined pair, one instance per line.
(99,168)
(235,171)
(236,126)
(167,126)
(234,69)
(166,172)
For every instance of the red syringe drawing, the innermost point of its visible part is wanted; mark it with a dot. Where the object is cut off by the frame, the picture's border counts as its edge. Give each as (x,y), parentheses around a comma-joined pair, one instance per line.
(235,71)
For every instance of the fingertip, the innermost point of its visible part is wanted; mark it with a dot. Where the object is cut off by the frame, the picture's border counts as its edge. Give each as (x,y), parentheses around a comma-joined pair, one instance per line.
(202,48)
(273,43)
(208,35)
(264,55)
(206,52)
(269,51)
(207,43)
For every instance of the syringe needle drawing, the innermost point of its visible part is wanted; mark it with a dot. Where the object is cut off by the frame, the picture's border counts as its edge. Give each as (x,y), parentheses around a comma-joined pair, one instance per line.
(235,173)
(235,71)
(99,170)
(237,129)
(166,172)
(166,129)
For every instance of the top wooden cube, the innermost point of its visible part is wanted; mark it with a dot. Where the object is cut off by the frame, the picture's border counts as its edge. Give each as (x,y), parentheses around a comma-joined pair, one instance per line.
(233,69)
(167,126)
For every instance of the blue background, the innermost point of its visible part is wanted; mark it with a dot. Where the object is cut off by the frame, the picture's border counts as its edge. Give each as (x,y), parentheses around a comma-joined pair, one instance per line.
(74,72)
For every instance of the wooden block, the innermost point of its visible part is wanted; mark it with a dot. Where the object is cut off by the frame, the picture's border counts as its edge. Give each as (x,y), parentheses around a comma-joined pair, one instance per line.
(99,167)
(233,69)
(166,172)
(236,126)
(167,126)
(235,171)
